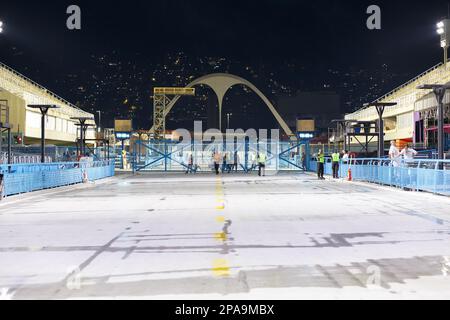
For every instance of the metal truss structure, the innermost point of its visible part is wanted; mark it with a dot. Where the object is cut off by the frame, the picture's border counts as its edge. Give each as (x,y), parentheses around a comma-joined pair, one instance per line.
(162,97)
(164,156)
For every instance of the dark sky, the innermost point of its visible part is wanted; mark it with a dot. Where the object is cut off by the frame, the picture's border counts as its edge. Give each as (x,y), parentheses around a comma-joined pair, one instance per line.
(320,35)
(315,32)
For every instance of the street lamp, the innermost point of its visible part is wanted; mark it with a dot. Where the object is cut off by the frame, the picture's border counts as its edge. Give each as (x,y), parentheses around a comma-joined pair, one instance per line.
(439,91)
(44,111)
(443,29)
(99,121)
(229,115)
(83,129)
(380,106)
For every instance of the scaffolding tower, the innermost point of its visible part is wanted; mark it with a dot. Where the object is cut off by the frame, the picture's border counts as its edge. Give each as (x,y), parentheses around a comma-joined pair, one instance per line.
(161,99)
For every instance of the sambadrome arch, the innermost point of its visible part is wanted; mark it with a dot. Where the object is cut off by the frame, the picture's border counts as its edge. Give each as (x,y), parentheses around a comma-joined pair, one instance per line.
(221,83)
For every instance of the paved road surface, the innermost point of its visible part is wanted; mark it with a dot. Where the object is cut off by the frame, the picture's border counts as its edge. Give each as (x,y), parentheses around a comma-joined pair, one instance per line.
(231,237)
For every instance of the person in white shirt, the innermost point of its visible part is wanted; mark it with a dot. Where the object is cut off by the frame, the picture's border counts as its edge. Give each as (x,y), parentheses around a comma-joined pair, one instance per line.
(408,153)
(345,156)
(394,154)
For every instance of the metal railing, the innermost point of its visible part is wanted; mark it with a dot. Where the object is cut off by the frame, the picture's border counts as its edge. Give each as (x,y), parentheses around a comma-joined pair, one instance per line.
(427,75)
(167,157)
(409,82)
(23,178)
(417,175)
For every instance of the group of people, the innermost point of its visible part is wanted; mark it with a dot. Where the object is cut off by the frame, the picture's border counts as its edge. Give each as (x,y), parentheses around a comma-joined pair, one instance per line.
(336,158)
(228,163)
(396,155)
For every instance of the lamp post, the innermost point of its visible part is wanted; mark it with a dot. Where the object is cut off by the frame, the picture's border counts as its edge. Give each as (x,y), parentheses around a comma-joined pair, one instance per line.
(99,121)
(229,115)
(83,128)
(443,29)
(439,91)
(381,106)
(44,111)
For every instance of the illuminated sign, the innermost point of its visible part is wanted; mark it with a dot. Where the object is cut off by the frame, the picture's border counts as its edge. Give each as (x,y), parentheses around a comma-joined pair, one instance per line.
(123,125)
(123,135)
(306,135)
(306,126)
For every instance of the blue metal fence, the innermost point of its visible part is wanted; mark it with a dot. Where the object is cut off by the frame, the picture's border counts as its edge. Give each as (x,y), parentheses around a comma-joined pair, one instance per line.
(174,157)
(22,178)
(419,175)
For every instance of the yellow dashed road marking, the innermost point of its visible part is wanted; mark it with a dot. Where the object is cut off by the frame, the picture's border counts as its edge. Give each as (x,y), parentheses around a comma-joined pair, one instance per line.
(220,219)
(221,268)
(221,236)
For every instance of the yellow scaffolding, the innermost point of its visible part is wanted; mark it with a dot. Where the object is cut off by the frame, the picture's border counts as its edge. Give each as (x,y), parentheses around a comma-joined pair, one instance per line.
(161,99)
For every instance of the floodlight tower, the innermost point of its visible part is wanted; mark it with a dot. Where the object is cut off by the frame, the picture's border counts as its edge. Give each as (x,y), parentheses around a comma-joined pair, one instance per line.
(443,29)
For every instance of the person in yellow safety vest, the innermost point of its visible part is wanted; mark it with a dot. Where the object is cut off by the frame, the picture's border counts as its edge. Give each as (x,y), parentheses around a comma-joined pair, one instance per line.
(262,164)
(320,165)
(336,158)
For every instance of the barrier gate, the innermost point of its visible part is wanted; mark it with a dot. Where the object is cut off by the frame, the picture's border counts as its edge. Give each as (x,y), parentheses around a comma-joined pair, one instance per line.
(174,157)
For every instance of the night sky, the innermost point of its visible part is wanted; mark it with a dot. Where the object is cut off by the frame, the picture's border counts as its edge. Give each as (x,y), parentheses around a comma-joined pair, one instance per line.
(316,34)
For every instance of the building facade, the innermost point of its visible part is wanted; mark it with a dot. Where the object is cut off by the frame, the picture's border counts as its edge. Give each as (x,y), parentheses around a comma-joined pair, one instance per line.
(17,92)
(414,119)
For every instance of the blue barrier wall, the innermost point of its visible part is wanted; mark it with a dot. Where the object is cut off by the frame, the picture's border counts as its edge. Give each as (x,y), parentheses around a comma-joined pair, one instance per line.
(419,175)
(22,178)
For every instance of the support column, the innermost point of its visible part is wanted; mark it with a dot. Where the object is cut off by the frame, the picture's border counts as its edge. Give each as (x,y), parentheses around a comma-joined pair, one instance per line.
(380,111)
(43,136)
(440,94)
(9,146)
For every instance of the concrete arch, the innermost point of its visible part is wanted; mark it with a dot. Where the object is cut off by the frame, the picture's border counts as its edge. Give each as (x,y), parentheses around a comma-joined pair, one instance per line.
(221,83)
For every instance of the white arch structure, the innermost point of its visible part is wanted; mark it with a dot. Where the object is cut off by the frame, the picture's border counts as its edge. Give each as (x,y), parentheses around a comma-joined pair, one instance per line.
(221,83)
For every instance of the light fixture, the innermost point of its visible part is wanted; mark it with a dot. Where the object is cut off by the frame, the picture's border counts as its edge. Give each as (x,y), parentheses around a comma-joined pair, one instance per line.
(443,30)
(1,26)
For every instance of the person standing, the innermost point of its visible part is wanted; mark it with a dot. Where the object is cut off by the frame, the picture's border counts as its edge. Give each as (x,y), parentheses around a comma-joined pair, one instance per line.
(190,168)
(408,153)
(216,159)
(394,154)
(2,186)
(262,158)
(124,160)
(224,163)
(236,161)
(320,165)
(304,161)
(336,158)
(345,156)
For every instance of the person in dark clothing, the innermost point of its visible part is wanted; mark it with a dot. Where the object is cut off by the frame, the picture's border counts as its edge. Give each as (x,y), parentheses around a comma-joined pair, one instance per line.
(216,158)
(190,167)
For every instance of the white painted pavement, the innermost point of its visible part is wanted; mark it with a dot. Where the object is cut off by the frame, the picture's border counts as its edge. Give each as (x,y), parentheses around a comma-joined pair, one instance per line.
(229,237)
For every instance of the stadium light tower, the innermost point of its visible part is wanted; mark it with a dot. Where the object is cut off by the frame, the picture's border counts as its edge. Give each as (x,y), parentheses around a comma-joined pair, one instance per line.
(443,29)
(1,26)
